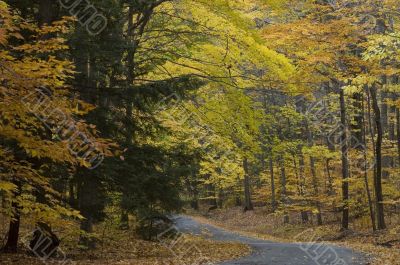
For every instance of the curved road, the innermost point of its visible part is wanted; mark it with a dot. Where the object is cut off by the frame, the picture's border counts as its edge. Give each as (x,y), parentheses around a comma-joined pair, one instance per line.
(271,253)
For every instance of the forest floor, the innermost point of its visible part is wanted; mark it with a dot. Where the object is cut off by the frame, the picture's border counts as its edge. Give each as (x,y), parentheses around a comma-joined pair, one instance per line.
(383,247)
(119,247)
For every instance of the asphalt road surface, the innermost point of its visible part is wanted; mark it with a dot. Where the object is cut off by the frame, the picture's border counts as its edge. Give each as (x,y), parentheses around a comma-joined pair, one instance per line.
(272,253)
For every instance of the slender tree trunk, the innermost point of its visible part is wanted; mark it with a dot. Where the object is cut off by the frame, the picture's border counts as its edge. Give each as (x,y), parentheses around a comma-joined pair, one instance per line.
(71,197)
(273,191)
(87,226)
(124,218)
(238,201)
(238,195)
(304,214)
(357,124)
(345,163)
(192,188)
(297,174)
(263,169)
(330,180)
(212,195)
(316,192)
(371,129)
(384,109)
(370,205)
(378,179)
(310,139)
(11,245)
(398,134)
(331,148)
(248,204)
(283,191)
(46,12)
(366,169)
(392,122)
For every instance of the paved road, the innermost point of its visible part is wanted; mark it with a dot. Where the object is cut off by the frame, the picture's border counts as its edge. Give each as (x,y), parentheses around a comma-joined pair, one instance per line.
(271,253)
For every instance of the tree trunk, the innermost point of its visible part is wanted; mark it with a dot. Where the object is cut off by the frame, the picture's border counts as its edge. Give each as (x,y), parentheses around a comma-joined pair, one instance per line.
(273,191)
(357,124)
(238,201)
(310,139)
(345,163)
(283,191)
(378,152)
(304,214)
(220,198)
(46,12)
(87,240)
(384,109)
(316,192)
(212,201)
(11,245)
(329,175)
(398,134)
(124,220)
(195,198)
(248,204)
(366,169)
(392,122)
(71,195)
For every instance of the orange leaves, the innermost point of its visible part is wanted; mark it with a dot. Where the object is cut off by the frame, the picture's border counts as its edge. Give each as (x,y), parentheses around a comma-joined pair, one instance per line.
(3,39)
(321,43)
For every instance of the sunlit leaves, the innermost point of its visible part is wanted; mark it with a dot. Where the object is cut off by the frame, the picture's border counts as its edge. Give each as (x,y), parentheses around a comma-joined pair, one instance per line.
(30,62)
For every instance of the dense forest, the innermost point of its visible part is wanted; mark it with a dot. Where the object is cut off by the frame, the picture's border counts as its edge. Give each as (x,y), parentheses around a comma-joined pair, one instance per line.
(124,113)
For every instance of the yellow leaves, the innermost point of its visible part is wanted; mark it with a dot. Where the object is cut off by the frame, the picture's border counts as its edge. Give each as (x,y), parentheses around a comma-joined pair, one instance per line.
(392,88)
(5,22)
(362,80)
(3,6)
(351,90)
(315,211)
(7,187)
(3,39)
(43,46)
(17,35)
(34,105)
(70,213)
(231,51)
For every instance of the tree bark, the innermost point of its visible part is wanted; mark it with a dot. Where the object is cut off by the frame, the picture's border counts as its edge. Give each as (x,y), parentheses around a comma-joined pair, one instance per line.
(11,245)
(87,226)
(46,12)
(283,191)
(273,191)
(366,169)
(345,163)
(248,204)
(212,201)
(357,124)
(71,195)
(378,152)
(398,134)
(304,214)
(329,175)
(310,139)
(316,192)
